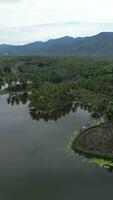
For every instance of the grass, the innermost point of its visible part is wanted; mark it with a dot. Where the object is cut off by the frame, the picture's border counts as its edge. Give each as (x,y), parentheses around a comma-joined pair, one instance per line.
(87,97)
(101,161)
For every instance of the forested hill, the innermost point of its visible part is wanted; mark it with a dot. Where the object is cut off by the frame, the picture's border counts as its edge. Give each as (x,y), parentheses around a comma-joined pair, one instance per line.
(96,46)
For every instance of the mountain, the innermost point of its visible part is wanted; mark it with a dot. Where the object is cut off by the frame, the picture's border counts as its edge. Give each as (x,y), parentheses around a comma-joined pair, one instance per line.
(95,46)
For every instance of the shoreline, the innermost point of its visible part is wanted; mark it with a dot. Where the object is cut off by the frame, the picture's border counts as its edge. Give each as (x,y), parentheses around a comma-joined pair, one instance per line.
(95,142)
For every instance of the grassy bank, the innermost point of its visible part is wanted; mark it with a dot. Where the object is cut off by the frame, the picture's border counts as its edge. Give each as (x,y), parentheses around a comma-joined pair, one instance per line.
(95,144)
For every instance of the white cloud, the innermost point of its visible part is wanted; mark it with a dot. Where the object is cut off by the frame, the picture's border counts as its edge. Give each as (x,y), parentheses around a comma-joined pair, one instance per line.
(31,13)
(9,1)
(22,35)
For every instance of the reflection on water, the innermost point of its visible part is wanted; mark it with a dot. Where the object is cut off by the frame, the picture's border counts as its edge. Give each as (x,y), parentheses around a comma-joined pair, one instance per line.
(34,161)
(23,97)
(17,98)
(55,115)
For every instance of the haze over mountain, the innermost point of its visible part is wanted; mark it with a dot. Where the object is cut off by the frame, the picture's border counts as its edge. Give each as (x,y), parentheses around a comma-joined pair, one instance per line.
(97,45)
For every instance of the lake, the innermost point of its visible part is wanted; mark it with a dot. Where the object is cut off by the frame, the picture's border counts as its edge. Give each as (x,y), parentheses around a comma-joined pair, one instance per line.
(35,163)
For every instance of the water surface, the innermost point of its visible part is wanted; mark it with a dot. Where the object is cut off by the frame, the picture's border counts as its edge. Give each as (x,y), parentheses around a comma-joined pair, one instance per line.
(34,161)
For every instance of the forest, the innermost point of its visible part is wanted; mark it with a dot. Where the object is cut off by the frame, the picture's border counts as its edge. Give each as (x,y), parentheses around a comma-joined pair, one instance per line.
(54,87)
(54,82)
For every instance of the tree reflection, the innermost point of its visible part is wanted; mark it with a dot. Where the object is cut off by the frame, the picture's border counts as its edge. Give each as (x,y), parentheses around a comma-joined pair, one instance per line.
(57,112)
(51,115)
(36,114)
(17,98)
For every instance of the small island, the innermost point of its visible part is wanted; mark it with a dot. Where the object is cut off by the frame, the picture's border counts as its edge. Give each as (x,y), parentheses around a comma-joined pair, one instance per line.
(95,141)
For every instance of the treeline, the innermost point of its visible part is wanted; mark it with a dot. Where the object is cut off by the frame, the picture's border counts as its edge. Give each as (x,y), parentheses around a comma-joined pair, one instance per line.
(57,83)
(22,73)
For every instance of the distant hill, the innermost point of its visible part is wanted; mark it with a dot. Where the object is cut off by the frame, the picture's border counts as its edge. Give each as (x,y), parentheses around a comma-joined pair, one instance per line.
(95,46)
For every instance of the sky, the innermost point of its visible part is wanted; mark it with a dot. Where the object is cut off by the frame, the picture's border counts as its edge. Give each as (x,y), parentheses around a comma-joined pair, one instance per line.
(25,21)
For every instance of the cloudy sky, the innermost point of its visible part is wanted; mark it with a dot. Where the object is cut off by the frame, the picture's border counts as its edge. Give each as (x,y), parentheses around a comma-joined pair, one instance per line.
(24,21)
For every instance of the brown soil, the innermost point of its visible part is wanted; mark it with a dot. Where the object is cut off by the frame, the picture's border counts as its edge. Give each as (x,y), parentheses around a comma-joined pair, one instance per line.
(96,141)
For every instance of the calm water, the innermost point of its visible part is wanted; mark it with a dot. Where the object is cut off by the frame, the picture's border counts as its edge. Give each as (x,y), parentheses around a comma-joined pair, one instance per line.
(34,162)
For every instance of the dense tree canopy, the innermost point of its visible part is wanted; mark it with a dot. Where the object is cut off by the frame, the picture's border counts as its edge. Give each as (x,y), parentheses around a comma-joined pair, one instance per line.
(56,81)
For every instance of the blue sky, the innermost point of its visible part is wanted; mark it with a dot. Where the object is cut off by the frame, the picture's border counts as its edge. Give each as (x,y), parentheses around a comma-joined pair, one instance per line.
(24,21)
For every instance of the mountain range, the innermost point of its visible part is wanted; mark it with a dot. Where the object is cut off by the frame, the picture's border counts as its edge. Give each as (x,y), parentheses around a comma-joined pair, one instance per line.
(95,46)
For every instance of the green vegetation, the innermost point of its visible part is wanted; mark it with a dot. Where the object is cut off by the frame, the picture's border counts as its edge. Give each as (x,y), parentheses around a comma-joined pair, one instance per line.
(56,85)
(108,164)
(55,82)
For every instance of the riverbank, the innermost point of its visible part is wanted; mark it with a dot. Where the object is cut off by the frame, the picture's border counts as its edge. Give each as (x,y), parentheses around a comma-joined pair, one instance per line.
(4,91)
(96,141)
